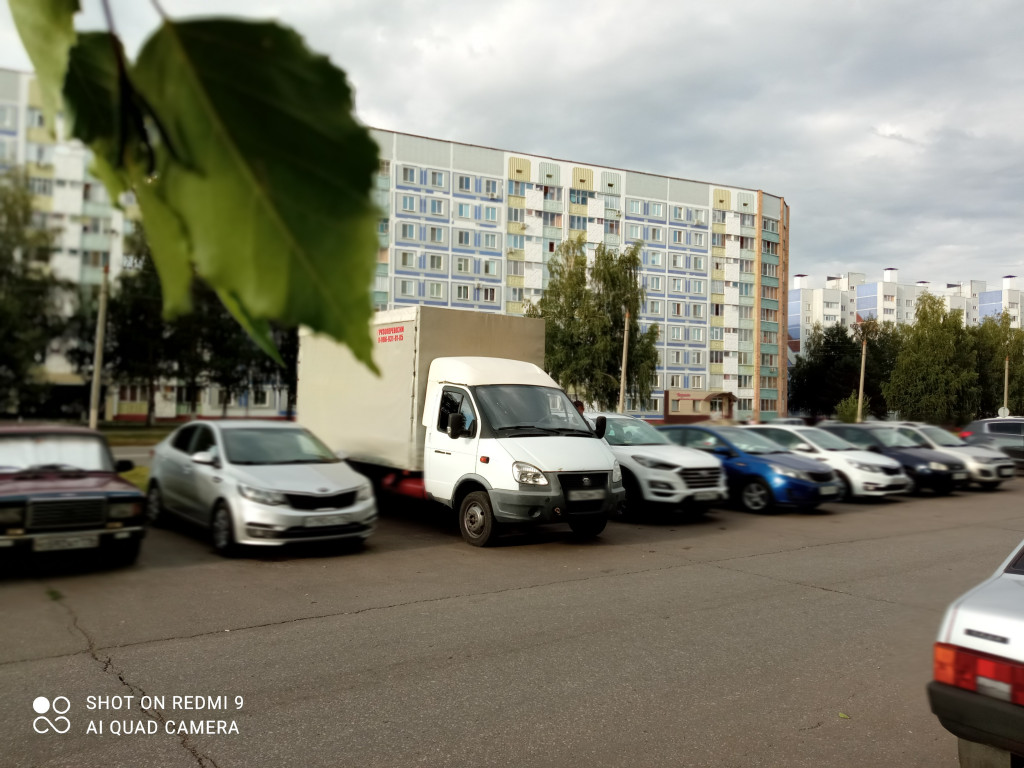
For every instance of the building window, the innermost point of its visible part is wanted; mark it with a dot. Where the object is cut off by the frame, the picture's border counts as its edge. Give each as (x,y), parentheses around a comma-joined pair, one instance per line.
(514,294)
(675,309)
(517,188)
(769,270)
(769,405)
(491,187)
(768,291)
(517,215)
(746,313)
(747,243)
(697,287)
(407,259)
(463,237)
(745,381)
(553,193)
(657,235)
(657,210)
(770,360)
(578,222)
(436,262)
(437,207)
(491,213)
(436,235)
(699,263)
(516,268)
(488,294)
(463,265)
(716,356)
(697,382)
(769,382)
(436,290)
(747,219)
(491,241)
(654,283)
(655,259)
(384,169)
(408,203)
(697,239)
(697,310)
(462,292)
(654,307)
(491,267)
(772,249)
(409,175)
(635,206)
(770,225)
(408,232)
(770,315)
(718,217)
(407,287)
(715,334)
(436,179)
(465,183)
(465,211)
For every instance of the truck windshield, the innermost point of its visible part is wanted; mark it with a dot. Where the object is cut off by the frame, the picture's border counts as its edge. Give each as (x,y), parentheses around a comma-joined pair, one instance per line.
(54,451)
(521,410)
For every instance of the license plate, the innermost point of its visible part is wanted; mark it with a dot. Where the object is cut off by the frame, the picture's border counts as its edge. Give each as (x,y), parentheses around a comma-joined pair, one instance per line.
(706,495)
(51,543)
(323,520)
(959,475)
(828,490)
(597,493)
(1006,471)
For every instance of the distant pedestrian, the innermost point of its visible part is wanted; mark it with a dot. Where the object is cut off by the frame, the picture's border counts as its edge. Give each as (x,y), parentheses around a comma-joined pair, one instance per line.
(579,405)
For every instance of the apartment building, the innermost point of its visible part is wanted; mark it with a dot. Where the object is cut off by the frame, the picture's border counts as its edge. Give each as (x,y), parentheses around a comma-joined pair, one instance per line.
(850,298)
(473,227)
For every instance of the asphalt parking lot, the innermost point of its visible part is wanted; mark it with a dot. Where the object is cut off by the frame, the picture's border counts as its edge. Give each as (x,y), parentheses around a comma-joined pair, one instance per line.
(732,640)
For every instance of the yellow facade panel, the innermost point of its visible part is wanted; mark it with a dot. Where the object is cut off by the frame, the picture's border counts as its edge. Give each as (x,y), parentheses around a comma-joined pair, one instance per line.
(719,229)
(516,254)
(717,322)
(39,135)
(519,169)
(715,368)
(516,227)
(514,281)
(576,209)
(516,201)
(716,344)
(718,274)
(722,200)
(582,178)
(514,307)
(42,203)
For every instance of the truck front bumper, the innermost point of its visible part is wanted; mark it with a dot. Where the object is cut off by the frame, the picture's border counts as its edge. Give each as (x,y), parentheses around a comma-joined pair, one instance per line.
(548,504)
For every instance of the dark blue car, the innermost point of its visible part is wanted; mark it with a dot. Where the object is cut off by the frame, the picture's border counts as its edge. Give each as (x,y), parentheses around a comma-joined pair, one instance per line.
(761,473)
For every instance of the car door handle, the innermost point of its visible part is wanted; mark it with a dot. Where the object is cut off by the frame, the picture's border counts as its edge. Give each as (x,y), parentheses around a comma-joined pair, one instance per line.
(217,480)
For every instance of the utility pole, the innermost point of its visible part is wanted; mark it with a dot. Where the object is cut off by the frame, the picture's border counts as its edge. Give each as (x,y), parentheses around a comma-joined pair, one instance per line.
(1006,382)
(97,358)
(622,376)
(860,391)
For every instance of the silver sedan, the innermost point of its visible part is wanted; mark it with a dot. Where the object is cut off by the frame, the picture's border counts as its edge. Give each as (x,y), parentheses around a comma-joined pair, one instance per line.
(260,483)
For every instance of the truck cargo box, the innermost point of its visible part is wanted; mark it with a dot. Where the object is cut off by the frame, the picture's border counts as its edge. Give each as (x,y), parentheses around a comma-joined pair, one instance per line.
(377,420)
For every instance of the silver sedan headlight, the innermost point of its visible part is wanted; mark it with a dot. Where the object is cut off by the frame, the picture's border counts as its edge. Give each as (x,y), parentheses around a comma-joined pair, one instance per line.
(262,496)
(365,493)
(865,467)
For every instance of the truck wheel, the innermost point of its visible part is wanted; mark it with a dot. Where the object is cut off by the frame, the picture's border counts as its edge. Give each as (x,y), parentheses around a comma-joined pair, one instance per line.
(588,527)
(756,496)
(476,520)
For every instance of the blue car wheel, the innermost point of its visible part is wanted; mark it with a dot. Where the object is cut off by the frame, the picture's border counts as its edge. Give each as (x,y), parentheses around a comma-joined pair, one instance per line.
(756,496)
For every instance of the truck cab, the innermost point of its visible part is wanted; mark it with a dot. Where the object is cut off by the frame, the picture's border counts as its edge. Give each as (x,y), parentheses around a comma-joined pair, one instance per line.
(504,445)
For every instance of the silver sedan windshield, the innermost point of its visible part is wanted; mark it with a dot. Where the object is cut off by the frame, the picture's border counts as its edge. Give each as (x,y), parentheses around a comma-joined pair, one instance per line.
(253,445)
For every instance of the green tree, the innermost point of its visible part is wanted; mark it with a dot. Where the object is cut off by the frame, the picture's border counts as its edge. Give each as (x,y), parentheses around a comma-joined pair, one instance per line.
(994,341)
(935,377)
(846,409)
(584,308)
(31,299)
(827,367)
(884,346)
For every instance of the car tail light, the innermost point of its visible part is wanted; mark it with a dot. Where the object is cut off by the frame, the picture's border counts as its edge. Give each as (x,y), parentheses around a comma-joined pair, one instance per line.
(981,672)
(965,433)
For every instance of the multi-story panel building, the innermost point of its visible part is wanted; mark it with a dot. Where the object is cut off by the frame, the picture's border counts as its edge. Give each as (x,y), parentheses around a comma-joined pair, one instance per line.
(851,298)
(475,228)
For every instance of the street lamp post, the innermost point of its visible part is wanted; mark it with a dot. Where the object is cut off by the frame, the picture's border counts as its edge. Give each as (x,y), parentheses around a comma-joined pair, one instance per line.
(97,357)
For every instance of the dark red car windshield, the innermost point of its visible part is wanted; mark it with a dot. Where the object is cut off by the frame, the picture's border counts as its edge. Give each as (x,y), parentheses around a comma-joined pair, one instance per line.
(48,450)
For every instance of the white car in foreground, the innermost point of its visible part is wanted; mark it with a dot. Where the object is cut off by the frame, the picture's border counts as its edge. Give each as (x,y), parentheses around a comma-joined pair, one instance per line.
(978,687)
(657,471)
(862,473)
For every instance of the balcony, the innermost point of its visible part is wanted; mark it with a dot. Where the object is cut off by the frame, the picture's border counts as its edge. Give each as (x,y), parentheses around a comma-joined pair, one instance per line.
(554,233)
(554,206)
(382,269)
(383,182)
(96,241)
(514,307)
(514,281)
(611,239)
(516,227)
(515,254)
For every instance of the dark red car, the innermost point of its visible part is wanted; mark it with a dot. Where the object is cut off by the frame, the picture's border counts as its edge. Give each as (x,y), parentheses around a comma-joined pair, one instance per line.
(60,490)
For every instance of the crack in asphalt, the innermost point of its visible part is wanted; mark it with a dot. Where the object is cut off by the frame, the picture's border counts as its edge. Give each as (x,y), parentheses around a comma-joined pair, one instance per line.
(202,760)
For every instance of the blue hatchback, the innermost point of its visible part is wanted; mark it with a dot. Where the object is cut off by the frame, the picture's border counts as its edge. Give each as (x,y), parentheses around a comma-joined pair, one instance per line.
(761,473)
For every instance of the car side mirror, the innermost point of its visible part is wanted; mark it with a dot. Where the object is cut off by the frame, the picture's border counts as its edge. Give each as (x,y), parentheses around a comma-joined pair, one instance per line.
(723,450)
(803,447)
(600,426)
(874,449)
(124,465)
(456,425)
(205,457)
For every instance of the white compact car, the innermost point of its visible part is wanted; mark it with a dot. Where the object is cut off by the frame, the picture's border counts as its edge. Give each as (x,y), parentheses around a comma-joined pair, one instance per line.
(978,687)
(987,466)
(262,483)
(657,471)
(862,473)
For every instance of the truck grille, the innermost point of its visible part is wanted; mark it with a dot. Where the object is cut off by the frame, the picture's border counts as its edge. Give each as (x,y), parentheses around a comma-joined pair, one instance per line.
(65,513)
(307,502)
(584,481)
(701,478)
(822,477)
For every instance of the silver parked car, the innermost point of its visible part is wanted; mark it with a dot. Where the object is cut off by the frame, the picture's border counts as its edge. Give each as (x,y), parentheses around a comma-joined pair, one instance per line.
(977,691)
(988,467)
(261,483)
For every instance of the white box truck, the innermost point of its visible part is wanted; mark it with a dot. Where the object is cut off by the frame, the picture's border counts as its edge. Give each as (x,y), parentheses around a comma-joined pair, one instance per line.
(462,413)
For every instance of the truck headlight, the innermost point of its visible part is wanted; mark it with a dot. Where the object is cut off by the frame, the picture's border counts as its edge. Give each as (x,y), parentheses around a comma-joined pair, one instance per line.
(646,461)
(527,474)
(262,496)
(938,466)
(10,515)
(365,493)
(616,472)
(121,510)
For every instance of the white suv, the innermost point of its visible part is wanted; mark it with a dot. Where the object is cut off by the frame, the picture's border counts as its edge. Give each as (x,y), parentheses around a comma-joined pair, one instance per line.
(862,473)
(657,471)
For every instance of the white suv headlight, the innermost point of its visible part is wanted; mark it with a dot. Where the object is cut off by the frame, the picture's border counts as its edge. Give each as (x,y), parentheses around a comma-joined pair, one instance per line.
(262,496)
(616,472)
(647,461)
(527,474)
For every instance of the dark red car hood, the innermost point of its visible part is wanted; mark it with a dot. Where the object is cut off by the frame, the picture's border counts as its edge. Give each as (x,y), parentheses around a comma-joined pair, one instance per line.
(51,484)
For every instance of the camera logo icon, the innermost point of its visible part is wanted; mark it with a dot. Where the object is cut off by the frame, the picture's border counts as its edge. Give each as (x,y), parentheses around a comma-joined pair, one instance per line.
(60,707)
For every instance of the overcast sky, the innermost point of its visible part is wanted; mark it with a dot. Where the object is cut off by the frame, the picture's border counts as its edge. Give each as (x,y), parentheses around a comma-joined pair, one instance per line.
(893,128)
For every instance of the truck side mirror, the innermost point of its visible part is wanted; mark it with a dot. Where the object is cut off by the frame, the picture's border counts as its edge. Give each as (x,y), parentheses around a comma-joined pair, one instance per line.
(456,425)
(600,425)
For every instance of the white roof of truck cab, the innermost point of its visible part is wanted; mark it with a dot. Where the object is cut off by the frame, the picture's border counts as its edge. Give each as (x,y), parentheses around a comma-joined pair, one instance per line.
(476,371)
